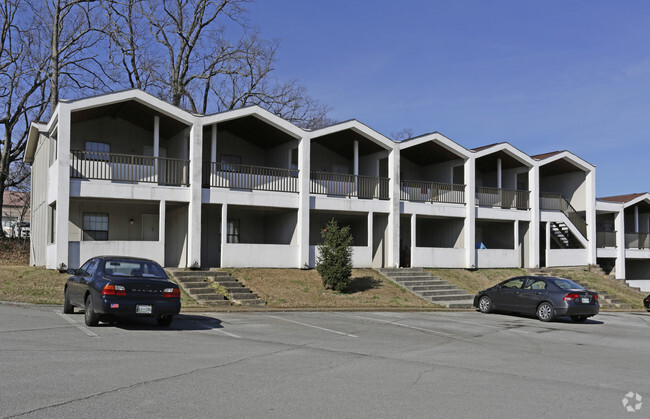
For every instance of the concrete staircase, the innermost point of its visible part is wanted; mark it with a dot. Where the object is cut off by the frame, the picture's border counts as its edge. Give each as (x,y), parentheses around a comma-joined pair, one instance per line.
(199,284)
(428,287)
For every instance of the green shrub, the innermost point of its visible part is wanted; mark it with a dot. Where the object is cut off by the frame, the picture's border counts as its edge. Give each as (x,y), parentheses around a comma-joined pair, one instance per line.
(335,261)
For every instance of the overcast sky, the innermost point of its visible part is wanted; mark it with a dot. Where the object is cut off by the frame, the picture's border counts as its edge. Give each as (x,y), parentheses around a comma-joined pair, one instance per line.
(542,75)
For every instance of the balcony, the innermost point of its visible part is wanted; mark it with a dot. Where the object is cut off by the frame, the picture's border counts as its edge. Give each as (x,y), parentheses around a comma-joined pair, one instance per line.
(502,198)
(605,239)
(241,176)
(128,168)
(338,184)
(421,191)
(637,240)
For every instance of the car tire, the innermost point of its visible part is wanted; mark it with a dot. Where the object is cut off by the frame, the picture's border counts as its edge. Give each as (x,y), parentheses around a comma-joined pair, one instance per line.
(67,307)
(579,319)
(485,304)
(91,318)
(545,312)
(165,320)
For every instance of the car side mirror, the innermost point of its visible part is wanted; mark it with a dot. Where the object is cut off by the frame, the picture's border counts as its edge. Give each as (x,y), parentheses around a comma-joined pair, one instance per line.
(72,271)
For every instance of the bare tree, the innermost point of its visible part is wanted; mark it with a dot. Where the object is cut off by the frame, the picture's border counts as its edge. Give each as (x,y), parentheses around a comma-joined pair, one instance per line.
(24,75)
(403,134)
(190,57)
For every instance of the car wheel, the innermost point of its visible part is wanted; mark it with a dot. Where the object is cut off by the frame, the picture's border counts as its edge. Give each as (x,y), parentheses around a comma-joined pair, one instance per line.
(165,320)
(91,318)
(485,304)
(67,307)
(545,312)
(579,319)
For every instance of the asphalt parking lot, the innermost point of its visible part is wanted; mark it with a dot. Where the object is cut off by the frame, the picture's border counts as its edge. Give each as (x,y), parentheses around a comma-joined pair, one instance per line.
(333,364)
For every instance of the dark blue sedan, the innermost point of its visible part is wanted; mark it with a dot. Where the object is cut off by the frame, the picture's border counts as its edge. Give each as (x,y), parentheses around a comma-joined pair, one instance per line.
(108,287)
(545,296)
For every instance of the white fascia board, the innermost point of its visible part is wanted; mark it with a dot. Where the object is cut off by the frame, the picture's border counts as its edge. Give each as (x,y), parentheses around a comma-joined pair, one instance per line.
(567,155)
(439,139)
(259,113)
(608,207)
(138,96)
(359,128)
(509,149)
(32,141)
(644,197)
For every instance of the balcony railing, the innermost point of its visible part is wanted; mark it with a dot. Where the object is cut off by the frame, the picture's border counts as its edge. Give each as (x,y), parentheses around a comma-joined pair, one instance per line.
(637,240)
(339,184)
(503,198)
(128,168)
(605,239)
(422,191)
(557,202)
(241,176)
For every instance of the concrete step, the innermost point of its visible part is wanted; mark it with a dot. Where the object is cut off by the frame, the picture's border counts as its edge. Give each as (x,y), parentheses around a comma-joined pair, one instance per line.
(207,297)
(203,291)
(452,297)
(243,296)
(417,283)
(218,303)
(415,278)
(191,285)
(461,303)
(441,293)
(252,303)
(230,284)
(433,287)
(398,270)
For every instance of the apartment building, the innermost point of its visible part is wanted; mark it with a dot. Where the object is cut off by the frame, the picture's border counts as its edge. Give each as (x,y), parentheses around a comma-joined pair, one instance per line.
(128,174)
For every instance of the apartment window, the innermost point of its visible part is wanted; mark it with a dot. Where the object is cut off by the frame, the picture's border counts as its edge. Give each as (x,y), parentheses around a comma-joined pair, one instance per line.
(95,226)
(52,224)
(232,235)
(97,151)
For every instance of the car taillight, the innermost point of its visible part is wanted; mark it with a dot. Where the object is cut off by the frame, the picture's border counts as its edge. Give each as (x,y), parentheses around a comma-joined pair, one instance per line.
(111,289)
(171,293)
(571,296)
(595,297)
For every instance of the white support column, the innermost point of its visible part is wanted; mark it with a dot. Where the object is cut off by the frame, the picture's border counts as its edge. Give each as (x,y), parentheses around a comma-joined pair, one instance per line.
(547,247)
(393,215)
(535,217)
(156,136)
(195,199)
(356,157)
(590,213)
(516,239)
(636,219)
(499,174)
(162,215)
(619,226)
(63,190)
(213,155)
(304,203)
(224,235)
(370,236)
(413,241)
(469,227)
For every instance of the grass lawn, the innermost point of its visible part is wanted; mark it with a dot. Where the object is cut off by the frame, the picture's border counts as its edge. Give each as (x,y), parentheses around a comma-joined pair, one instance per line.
(29,284)
(295,288)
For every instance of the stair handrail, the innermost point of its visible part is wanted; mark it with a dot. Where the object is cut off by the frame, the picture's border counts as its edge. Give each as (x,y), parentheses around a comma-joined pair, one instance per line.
(563,205)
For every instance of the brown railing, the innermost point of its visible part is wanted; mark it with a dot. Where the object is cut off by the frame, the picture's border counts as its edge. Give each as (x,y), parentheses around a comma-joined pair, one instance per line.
(504,198)
(422,191)
(637,241)
(241,176)
(557,202)
(339,184)
(605,239)
(128,168)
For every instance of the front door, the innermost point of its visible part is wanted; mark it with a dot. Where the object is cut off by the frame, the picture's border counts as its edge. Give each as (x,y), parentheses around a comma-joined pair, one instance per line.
(150,227)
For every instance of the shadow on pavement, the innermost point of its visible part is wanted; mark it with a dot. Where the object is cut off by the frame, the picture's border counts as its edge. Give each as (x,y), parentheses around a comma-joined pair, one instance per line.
(181,322)
(559,319)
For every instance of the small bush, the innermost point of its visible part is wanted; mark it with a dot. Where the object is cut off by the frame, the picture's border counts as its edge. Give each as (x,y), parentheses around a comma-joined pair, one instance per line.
(335,261)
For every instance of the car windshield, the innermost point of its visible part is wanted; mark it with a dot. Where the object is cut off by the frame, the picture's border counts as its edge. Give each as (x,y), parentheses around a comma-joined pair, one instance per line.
(133,268)
(566,284)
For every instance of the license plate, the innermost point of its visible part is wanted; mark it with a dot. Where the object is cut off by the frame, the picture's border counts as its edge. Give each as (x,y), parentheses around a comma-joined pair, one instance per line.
(141,309)
(585,300)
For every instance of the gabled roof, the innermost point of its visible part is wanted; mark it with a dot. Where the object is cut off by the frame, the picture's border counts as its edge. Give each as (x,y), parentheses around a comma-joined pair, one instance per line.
(569,157)
(358,127)
(507,148)
(485,147)
(628,199)
(546,155)
(437,138)
(259,113)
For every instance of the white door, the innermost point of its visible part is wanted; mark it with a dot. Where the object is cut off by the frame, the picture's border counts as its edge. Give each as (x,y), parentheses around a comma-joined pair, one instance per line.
(150,227)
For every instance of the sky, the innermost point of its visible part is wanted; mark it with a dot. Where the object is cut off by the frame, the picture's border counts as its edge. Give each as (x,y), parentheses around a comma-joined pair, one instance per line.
(542,75)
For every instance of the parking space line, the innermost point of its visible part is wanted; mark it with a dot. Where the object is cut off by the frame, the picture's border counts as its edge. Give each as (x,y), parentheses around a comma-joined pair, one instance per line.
(315,327)
(77,325)
(408,326)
